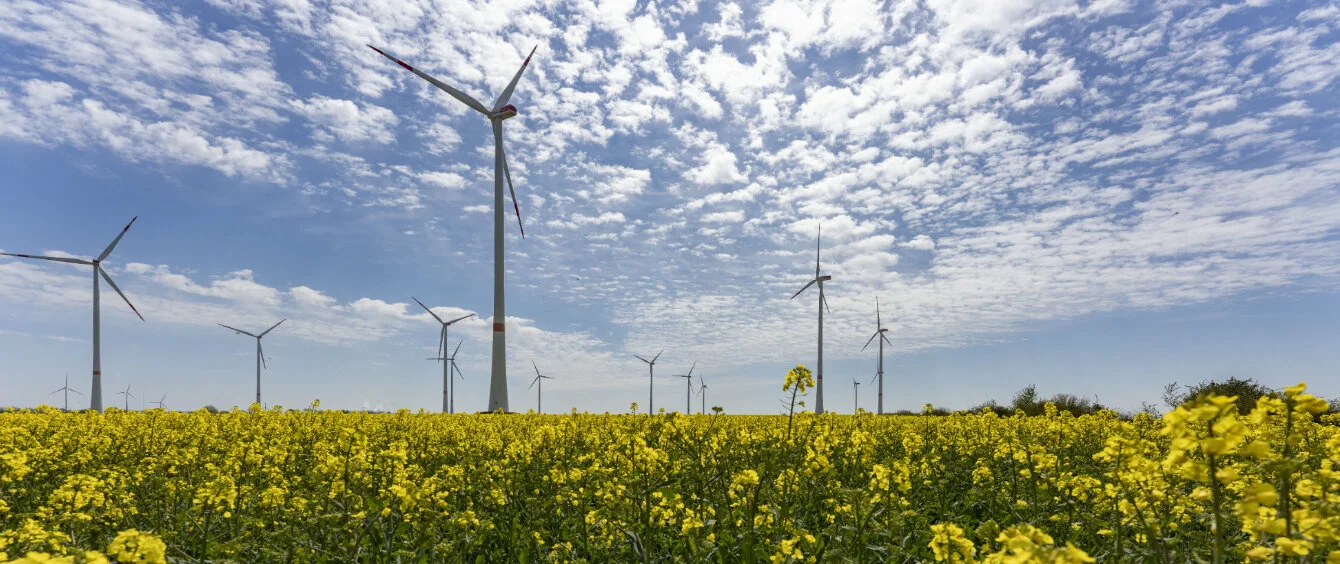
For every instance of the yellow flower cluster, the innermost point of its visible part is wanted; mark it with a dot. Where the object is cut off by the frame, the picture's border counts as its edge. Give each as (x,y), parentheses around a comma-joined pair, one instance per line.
(1202,483)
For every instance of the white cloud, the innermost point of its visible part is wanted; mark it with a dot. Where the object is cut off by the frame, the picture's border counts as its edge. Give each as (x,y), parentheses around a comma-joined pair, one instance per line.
(718,168)
(344,120)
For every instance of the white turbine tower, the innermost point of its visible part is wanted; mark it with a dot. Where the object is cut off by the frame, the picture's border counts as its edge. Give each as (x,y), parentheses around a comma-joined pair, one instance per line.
(702,393)
(500,111)
(879,370)
(447,401)
(856,391)
(450,407)
(128,396)
(651,381)
(539,381)
(260,353)
(95,399)
(688,391)
(67,389)
(823,304)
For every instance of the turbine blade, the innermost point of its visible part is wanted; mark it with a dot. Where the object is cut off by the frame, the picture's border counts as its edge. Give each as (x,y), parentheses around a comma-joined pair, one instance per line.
(457,94)
(236,329)
(118,291)
(642,359)
(878,324)
(824,299)
(58,390)
(508,173)
(260,350)
(109,248)
(457,369)
(507,92)
(532,382)
(458,319)
(76,391)
(695,365)
(458,348)
(441,340)
(537,369)
(272,327)
(872,339)
(658,355)
(807,286)
(886,339)
(817,241)
(57,259)
(425,308)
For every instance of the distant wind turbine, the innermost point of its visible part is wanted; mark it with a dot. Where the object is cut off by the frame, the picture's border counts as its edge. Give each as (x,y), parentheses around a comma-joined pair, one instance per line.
(67,389)
(856,390)
(651,381)
(702,393)
(823,304)
(500,111)
(879,370)
(260,353)
(447,400)
(160,403)
(95,399)
(451,361)
(688,391)
(128,396)
(539,381)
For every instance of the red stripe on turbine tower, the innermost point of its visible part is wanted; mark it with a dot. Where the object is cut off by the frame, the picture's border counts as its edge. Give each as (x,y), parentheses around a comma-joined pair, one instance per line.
(497,327)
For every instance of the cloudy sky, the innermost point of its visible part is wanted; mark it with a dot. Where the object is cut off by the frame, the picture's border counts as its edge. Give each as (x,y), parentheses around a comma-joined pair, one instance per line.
(1097,197)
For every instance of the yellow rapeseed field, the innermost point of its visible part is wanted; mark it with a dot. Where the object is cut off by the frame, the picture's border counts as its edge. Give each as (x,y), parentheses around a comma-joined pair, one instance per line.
(1202,483)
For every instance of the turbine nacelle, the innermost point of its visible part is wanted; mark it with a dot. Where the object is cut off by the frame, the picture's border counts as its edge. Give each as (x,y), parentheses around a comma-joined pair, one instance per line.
(825,277)
(504,112)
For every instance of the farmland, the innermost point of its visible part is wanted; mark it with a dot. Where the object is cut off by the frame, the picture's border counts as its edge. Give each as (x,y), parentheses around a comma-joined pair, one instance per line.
(284,485)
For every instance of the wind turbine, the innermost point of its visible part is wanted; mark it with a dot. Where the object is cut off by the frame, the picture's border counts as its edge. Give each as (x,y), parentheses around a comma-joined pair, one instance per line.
(160,402)
(688,391)
(67,389)
(651,381)
(856,389)
(702,392)
(500,111)
(539,378)
(260,353)
(95,401)
(128,396)
(447,402)
(451,360)
(879,371)
(823,304)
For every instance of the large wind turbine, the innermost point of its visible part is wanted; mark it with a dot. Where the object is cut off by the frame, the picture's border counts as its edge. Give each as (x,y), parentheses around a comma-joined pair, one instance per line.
(67,389)
(95,399)
(441,348)
(823,304)
(879,371)
(260,353)
(856,391)
(539,378)
(453,367)
(500,111)
(688,391)
(651,381)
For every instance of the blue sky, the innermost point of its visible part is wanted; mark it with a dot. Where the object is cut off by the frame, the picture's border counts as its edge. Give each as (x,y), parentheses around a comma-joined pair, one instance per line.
(1097,198)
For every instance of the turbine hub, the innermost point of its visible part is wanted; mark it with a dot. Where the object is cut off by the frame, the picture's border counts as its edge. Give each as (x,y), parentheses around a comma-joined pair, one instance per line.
(505,112)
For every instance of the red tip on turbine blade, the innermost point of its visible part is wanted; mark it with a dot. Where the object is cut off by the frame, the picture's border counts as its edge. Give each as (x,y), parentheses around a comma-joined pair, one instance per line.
(497,327)
(518,219)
